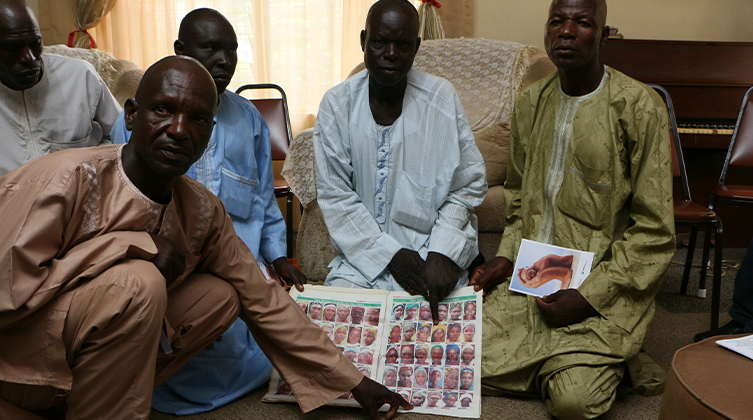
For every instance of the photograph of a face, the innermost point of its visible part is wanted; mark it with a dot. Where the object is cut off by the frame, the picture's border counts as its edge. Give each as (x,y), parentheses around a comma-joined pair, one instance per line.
(542,269)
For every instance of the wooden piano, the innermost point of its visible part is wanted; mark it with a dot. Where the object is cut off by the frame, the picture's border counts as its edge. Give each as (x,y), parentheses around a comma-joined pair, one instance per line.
(707,82)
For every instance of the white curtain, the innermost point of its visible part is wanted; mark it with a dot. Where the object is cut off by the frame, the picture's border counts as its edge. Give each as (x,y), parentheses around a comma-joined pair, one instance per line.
(86,14)
(304,46)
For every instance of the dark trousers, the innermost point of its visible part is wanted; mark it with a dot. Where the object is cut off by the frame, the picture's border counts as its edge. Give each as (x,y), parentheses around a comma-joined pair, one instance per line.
(742,299)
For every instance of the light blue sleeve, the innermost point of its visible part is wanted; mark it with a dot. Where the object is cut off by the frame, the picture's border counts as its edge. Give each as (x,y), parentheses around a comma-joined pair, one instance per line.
(119,134)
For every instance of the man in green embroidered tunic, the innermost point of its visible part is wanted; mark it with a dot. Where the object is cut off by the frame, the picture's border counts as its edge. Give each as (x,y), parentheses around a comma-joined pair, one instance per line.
(590,169)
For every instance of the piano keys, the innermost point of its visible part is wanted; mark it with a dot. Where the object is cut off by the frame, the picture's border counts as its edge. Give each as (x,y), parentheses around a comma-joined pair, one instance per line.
(707,81)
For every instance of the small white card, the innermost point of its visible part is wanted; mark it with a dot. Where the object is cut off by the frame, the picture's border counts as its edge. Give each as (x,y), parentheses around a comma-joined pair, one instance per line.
(742,345)
(542,269)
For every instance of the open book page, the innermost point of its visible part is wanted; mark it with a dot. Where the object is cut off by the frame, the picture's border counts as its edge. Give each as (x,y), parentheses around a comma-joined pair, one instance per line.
(391,338)
(435,367)
(352,318)
(742,345)
(542,269)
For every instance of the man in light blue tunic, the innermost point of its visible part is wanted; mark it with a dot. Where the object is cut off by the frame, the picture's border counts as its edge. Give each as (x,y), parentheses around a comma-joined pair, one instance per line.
(237,167)
(398,171)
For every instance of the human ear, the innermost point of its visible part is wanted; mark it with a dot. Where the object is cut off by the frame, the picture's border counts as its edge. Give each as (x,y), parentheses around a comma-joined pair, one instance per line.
(131,106)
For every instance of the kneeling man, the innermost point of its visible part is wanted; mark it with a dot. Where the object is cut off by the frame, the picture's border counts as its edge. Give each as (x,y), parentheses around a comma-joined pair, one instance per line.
(105,250)
(590,169)
(398,171)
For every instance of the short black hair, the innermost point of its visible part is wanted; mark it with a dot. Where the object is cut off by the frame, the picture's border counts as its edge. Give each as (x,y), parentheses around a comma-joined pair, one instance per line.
(397,4)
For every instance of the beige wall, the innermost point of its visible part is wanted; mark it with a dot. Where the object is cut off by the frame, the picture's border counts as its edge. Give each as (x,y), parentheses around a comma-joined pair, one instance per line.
(699,20)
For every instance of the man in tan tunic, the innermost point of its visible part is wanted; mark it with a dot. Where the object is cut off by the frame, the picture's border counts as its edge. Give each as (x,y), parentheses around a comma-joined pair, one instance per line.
(590,169)
(104,249)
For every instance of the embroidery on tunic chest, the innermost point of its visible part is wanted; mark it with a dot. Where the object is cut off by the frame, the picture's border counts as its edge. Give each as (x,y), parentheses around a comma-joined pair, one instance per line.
(382,173)
(91,207)
(153,218)
(563,131)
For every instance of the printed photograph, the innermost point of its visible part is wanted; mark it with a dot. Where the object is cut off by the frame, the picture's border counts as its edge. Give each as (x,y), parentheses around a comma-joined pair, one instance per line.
(340,334)
(405,377)
(354,336)
(420,378)
(411,312)
(315,311)
(409,331)
(438,335)
(390,376)
(453,332)
(424,332)
(398,311)
(452,353)
(435,377)
(469,332)
(422,354)
(450,399)
(343,314)
(469,311)
(406,354)
(372,316)
(451,378)
(418,399)
(456,311)
(395,334)
(368,336)
(466,379)
(437,353)
(392,354)
(329,311)
(467,355)
(356,315)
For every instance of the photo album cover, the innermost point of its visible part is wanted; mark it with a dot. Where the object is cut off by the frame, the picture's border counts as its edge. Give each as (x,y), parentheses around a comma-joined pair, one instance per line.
(391,338)
(542,269)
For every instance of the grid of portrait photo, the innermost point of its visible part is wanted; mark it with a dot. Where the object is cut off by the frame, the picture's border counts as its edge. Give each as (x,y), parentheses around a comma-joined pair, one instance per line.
(433,366)
(352,326)
(391,338)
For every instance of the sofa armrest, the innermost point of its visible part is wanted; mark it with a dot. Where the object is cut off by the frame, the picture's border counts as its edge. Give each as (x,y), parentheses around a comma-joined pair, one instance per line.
(299,169)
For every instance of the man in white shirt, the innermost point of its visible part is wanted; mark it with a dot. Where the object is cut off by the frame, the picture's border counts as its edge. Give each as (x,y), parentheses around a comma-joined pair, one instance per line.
(47,102)
(398,171)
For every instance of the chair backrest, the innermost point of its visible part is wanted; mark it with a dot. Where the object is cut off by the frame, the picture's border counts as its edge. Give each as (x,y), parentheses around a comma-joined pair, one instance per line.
(678,163)
(740,152)
(275,114)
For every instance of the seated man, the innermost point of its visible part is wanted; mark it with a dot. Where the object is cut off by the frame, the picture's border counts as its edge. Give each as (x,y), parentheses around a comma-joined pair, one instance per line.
(107,249)
(590,169)
(239,149)
(398,171)
(47,102)
(742,303)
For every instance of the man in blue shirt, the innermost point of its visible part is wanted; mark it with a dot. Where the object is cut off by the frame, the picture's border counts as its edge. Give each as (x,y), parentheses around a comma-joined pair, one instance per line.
(237,167)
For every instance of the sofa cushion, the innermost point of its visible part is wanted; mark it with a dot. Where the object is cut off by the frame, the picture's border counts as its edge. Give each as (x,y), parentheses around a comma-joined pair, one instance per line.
(491,213)
(493,143)
(122,77)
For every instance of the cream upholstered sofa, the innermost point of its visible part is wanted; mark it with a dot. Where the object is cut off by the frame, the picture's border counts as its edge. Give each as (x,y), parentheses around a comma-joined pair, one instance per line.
(488,75)
(122,77)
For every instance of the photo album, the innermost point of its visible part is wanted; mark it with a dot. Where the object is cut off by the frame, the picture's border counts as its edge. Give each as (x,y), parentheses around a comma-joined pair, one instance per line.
(542,269)
(391,338)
